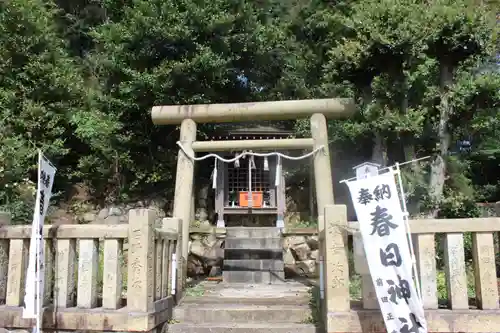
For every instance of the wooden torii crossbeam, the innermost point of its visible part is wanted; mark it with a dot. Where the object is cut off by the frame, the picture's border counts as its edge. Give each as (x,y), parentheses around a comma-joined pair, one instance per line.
(189,115)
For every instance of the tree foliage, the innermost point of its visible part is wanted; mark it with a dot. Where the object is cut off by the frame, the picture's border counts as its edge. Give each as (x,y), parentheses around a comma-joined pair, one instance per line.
(45,101)
(78,78)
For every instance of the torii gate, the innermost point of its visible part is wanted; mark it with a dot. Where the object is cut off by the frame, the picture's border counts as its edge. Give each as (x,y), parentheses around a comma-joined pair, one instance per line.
(189,115)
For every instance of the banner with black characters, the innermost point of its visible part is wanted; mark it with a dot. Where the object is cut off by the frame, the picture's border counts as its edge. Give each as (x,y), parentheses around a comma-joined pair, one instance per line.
(36,272)
(382,227)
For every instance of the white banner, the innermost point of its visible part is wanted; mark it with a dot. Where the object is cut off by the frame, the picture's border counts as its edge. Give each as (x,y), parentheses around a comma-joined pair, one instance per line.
(382,227)
(33,297)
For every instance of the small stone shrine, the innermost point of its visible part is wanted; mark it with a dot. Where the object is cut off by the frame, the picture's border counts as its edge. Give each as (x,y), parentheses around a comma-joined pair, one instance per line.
(250,191)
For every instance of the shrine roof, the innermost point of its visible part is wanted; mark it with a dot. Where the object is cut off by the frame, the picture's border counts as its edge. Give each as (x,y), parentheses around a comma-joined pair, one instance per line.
(251,129)
(366,164)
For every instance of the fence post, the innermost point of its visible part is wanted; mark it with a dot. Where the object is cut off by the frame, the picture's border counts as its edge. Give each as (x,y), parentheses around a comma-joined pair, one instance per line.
(336,268)
(141,239)
(173,224)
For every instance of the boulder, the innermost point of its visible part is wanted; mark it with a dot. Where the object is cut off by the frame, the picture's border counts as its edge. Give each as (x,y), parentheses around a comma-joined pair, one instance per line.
(195,236)
(89,217)
(291,271)
(288,258)
(313,243)
(197,248)
(208,249)
(205,224)
(213,256)
(307,268)
(103,214)
(112,220)
(124,218)
(195,266)
(115,211)
(209,240)
(295,240)
(314,255)
(301,251)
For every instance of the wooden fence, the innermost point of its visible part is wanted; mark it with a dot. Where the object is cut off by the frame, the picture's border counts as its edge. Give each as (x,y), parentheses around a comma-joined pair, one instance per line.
(97,277)
(472,303)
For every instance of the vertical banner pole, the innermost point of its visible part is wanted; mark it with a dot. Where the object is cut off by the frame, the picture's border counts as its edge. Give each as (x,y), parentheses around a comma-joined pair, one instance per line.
(173,272)
(39,292)
(408,231)
(321,277)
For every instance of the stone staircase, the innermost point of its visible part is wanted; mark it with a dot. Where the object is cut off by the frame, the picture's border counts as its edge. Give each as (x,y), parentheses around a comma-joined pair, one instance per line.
(253,255)
(245,308)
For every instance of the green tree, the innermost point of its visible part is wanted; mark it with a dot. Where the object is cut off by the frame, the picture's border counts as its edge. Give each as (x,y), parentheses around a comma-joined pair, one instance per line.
(380,51)
(460,34)
(477,100)
(44,101)
(392,55)
(181,52)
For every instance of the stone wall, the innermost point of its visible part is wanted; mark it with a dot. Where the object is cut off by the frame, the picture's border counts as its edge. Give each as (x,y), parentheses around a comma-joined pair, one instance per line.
(300,246)
(490,209)
(300,251)
(84,213)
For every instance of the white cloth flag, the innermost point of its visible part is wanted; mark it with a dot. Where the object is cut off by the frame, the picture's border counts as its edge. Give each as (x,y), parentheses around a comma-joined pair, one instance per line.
(382,227)
(35,276)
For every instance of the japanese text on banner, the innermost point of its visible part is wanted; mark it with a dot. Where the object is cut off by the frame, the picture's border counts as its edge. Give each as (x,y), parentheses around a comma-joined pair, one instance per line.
(36,271)
(381,221)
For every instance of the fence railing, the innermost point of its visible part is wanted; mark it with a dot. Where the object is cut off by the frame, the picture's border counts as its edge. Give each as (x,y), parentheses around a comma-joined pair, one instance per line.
(97,277)
(459,291)
(119,277)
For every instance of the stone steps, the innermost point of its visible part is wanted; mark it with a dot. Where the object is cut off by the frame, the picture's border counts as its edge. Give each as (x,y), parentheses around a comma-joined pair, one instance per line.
(258,242)
(262,265)
(214,300)
(243,328)
(257,232)
(253,255)
(248,276)
(242,313)
(245,308)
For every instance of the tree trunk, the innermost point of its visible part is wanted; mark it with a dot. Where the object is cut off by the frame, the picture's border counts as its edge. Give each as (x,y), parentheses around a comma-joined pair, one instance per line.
(408,139)
(379,150)
(438,166)
(409,150)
